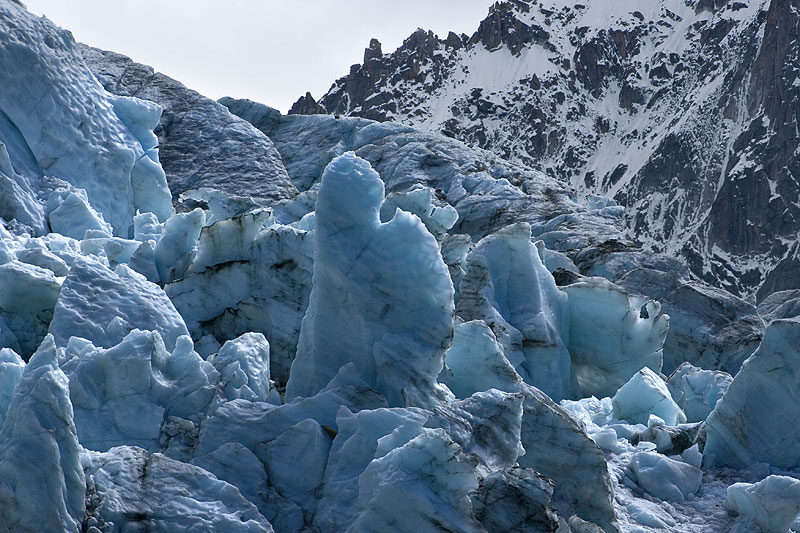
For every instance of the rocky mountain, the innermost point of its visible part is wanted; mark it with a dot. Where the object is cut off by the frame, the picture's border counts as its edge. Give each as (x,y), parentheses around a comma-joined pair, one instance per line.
(683,111)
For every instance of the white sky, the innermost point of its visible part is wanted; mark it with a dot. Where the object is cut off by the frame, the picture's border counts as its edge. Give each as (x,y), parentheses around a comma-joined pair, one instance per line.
(272,51)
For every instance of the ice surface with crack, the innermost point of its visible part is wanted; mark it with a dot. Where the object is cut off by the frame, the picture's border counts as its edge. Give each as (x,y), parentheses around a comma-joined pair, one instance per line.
(130,488)
(508,286)
(250,274)
(643,395)
(773,503)
(356,444)
(745,427)
(178,244)
(122,395)
(303,447)
(42,483)
(237,465)
(374,283)
(612,335)
(555,441)
(421,485)
(11,368)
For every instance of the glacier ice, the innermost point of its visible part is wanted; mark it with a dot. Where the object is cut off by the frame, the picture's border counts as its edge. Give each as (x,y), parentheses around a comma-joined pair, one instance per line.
(305,445)
(18,200)
(252,423)
(199,142)
(28,295)
(709,327)
(646,394)
(237,465)
(555,441)
(43,258)
(178,244)
(420,486)
(243,366)
(663,477)
(250,274)
(697,391)
(103,306)
(486,425)
(373,284)
(408,230)
(745,427)
(612,335)
(42,482)
(508,286)
(59,121)
(356,444)
(122,395)
(69,213)
(781,304)
(419,200)
(515,499)
(131,489)
(773,503)
(11,368)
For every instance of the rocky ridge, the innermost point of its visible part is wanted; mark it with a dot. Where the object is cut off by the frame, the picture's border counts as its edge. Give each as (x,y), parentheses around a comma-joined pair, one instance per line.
(684,112)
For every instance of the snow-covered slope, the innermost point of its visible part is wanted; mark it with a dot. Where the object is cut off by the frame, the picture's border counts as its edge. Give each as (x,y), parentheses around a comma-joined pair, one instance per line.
(684,111)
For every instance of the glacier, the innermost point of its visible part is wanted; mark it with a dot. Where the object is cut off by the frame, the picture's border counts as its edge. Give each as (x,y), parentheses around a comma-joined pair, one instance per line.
(214,317)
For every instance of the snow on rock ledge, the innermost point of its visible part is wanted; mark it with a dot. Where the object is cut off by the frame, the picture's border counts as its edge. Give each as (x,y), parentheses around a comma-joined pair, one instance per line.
(374,284)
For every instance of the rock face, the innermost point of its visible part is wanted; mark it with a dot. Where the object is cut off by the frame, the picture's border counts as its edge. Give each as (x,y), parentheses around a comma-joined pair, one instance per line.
(684,112)
(200,144)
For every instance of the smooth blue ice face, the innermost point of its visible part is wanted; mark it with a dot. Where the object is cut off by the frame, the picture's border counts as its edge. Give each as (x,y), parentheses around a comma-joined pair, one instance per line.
(745,427)
(507,285)
(646,394)
(613,335)
(381,298)
(773,503)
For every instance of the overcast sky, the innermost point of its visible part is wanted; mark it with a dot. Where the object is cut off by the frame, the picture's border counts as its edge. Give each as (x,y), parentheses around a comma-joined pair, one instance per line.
(272,51)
